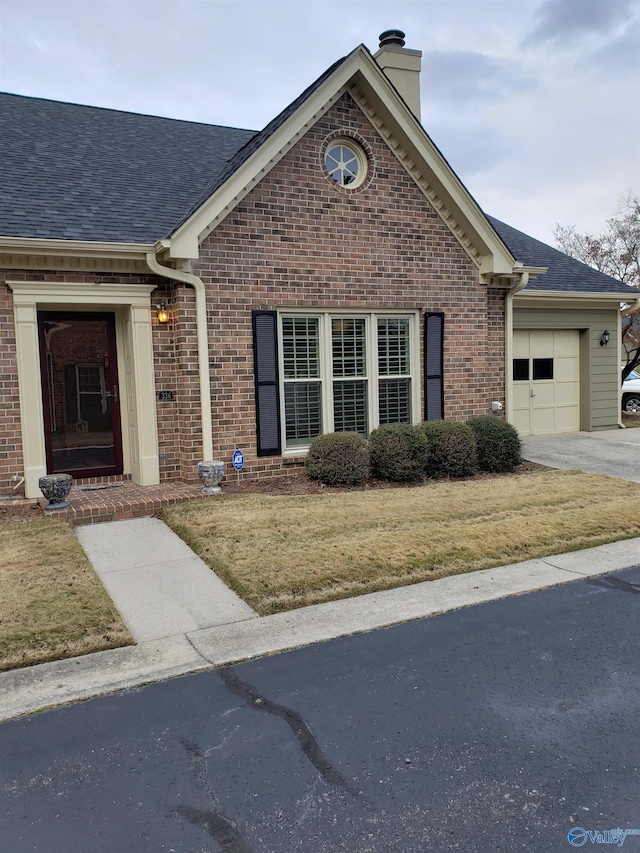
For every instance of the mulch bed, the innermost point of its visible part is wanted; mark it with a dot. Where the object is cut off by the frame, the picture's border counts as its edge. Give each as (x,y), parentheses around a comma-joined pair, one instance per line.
(300,484)
(291,484)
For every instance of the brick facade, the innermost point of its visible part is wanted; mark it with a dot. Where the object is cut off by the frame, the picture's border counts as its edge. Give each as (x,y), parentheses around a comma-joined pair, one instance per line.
(297,240)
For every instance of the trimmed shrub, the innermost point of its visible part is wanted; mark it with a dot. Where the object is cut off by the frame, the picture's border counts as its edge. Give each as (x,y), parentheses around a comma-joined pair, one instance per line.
(452,449)
(339,459)
(499,445)
(399,453)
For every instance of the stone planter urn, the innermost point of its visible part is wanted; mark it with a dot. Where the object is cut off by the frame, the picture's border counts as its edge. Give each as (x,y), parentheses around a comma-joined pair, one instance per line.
(211,473)
(55,488)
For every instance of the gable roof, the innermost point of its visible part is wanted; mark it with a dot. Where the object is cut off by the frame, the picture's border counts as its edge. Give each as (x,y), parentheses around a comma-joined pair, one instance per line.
(258,139)
(564,273)
(73,172)
(139,180)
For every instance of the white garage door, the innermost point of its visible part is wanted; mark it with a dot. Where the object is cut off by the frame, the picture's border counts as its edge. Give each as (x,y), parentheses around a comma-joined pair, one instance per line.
(546,381)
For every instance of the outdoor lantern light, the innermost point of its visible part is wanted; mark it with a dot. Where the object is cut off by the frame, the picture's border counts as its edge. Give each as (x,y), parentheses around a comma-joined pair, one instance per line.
(604,338)
(163,314)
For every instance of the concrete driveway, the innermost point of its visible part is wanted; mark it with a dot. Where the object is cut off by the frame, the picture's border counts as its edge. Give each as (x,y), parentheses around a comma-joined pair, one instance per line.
(614,452)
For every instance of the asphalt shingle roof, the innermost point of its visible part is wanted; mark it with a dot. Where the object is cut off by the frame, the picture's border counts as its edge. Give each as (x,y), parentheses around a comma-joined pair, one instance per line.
(564,272)
(73,172)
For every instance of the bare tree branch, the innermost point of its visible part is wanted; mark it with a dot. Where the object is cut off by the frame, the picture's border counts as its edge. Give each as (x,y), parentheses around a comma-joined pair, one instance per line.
(615,252)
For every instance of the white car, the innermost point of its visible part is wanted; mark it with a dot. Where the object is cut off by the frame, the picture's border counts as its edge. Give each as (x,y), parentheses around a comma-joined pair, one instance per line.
(631,393)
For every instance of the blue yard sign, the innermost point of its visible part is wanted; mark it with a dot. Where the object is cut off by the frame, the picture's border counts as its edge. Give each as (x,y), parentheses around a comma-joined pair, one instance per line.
(238,460)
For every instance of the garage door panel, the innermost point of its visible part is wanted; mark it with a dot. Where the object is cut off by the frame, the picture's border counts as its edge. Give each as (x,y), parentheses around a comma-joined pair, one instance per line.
(521,344)
(544,394)
(521,395)
(555,404)
(567,394)
(521,421)
(541,344)
(542,420)
(564,344)
(567,370)
(567,419)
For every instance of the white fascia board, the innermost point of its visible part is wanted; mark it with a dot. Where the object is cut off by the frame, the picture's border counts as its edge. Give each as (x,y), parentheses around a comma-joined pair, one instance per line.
(362,70)
(73,248)
(560,298)
(186,239)
(450,189)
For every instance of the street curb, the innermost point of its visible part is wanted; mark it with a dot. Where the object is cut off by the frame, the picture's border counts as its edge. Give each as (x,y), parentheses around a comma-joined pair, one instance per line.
(25,691)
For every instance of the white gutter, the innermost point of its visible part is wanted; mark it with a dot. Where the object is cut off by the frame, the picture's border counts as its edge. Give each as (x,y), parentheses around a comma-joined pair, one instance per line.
(508,341)
(634,306)
(203,346)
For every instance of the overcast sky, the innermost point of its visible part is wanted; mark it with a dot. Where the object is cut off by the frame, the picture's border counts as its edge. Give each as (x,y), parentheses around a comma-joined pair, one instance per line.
(536,105)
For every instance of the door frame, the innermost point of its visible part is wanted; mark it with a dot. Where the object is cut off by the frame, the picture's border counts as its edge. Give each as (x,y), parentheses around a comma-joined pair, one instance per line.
(116,418)
(131,303)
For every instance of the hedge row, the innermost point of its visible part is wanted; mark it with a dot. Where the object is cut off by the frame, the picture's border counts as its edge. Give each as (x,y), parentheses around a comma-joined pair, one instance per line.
(406,453)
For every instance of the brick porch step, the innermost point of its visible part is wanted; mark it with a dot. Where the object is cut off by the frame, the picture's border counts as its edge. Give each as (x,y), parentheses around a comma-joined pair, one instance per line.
(116,501)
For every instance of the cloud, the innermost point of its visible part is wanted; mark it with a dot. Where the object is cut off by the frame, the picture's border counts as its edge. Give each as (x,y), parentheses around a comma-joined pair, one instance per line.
(566,21)
(469,146)
(621,53)
(464,76)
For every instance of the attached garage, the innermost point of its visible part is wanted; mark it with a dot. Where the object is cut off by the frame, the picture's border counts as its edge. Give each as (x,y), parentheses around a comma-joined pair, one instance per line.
(546,381)
(563,346)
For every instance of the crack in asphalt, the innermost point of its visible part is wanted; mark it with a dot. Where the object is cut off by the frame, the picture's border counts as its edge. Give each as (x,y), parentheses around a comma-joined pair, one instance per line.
(307,741)
(612,582)
(220,827)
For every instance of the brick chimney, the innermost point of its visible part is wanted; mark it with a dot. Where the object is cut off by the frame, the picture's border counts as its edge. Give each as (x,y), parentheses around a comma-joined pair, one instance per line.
(402,67)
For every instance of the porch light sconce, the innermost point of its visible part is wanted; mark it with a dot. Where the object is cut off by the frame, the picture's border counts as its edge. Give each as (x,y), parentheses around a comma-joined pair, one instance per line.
(604,338)
(162,314)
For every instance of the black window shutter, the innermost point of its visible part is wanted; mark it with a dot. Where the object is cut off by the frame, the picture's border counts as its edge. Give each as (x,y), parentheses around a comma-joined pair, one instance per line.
(433,366)
(265,367)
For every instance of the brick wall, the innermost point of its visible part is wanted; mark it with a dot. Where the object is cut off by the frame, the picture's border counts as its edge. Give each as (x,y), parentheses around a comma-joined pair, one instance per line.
(298,239)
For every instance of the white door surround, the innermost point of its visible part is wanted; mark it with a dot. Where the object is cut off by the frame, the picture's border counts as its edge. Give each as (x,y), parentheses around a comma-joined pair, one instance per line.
(132,306)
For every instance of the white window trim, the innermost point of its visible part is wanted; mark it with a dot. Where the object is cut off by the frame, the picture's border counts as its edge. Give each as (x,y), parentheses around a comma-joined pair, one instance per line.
(326,373)
(360,156)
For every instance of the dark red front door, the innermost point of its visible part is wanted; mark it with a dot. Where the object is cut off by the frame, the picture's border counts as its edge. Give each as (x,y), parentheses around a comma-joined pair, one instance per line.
(80,393)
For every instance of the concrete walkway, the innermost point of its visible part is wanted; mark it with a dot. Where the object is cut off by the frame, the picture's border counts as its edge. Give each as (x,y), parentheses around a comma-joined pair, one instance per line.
(185,619)
(615,452)
(158,584)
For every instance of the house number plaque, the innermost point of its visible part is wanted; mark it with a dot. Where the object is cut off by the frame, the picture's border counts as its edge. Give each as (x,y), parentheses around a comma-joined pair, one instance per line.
(165,396)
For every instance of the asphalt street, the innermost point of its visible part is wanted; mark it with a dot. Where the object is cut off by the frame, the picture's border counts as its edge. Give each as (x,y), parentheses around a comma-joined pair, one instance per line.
(499,727)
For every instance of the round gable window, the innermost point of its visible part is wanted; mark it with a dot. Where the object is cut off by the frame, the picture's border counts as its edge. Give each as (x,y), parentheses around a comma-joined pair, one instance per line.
(346,163)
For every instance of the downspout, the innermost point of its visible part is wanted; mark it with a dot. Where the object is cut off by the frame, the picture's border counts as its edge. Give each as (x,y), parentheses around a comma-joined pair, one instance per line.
(203,346)
(508,341)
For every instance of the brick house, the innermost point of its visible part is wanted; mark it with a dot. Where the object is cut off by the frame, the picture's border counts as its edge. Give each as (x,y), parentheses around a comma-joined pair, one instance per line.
(171,291)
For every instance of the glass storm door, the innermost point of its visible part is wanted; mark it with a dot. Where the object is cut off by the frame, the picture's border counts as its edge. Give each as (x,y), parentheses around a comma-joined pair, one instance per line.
(80,393)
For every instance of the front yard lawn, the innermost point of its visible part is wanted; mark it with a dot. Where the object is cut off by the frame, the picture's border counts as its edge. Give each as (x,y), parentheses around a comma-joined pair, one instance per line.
(280,552)
(52,603)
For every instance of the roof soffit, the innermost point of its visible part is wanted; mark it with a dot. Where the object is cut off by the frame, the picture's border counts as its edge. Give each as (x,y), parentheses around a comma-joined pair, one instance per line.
(360,76)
